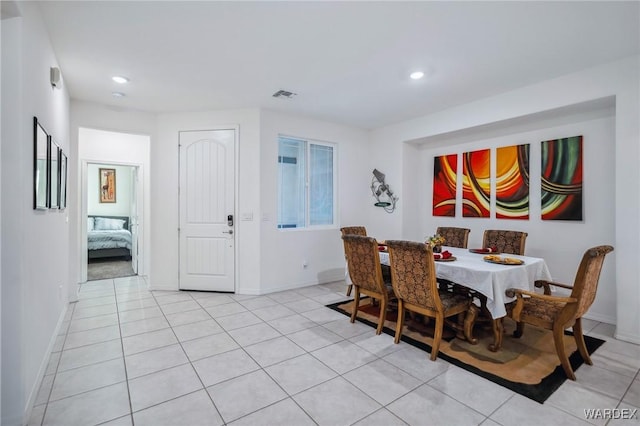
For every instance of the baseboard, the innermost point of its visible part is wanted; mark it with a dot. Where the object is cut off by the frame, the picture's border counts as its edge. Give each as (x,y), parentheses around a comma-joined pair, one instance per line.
(294,286)
(33,394)
(631,338)
(600,318)
(258,291)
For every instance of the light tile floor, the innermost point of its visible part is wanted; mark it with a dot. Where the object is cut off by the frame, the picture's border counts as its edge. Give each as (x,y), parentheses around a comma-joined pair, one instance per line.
(127,355)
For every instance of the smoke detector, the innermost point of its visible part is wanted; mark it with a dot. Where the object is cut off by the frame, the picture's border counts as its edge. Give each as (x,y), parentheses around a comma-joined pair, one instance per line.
(284,94)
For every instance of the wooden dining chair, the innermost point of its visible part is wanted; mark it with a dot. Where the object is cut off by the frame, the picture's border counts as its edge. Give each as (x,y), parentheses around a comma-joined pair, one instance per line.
(505,241)
(558,313)
(366,274)
(352,230)
(455,237)
(413,276)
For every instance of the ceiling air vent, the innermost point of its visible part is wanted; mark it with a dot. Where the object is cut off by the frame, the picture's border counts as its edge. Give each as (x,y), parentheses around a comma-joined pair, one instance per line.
(284,94)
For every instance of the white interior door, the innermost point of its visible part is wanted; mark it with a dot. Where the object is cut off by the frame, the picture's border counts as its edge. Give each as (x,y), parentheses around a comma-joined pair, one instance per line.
(133,219)
(207,216)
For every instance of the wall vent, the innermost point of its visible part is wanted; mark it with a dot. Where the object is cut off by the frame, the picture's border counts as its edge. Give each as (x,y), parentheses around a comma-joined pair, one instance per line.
(284,94)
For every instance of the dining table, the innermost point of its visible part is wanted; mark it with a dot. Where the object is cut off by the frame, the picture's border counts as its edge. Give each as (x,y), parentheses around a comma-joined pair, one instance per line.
(489,279)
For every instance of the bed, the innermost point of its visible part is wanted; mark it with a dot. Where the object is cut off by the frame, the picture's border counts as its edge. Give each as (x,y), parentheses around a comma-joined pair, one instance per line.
(108,236)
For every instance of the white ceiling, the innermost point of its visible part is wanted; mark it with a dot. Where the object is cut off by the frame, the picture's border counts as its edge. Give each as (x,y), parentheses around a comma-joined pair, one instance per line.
(348,61)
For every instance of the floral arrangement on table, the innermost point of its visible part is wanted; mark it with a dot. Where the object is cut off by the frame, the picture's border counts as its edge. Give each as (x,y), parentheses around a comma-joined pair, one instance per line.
(436,241)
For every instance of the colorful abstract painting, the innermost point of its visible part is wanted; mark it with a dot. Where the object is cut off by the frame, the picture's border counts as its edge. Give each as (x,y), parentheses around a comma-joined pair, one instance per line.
(445,169)
(562,179)
(512,182)
(476,183)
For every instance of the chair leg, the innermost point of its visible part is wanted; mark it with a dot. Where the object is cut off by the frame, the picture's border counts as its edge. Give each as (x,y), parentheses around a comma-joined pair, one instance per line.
(437,336)
(349,288)
(558,340)
(517,333)
(383,316)
(400,321)
(356,304)
(582,348)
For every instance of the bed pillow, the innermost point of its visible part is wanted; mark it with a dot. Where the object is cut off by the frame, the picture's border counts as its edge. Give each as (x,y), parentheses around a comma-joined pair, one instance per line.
(107,224)
(90,224)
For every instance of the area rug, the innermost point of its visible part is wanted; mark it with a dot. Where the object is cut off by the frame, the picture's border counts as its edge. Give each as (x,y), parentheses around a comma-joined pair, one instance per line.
(528,365)
(101,269)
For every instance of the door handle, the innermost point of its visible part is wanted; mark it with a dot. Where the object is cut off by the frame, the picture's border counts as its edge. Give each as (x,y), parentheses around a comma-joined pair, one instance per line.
(230,231)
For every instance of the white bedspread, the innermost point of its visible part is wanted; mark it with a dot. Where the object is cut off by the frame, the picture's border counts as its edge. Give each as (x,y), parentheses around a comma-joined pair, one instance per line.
(109,239)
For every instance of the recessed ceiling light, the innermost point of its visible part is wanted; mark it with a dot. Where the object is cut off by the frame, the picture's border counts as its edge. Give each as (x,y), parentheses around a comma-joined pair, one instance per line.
(120,79)
(417,75)
(118,94)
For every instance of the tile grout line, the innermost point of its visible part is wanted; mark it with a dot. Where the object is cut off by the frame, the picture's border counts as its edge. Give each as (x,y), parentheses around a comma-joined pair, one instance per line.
(124,362)
(188,359)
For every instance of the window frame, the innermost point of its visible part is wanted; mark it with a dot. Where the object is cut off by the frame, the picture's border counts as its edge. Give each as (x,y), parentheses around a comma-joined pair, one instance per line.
(308,142)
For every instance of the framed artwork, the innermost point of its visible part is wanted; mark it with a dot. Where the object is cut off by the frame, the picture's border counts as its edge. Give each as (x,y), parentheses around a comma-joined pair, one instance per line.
(107,182)
(512,182)
(63,180)
(40,164)
(54,174)
(476,183)
(445,172)
(561,177)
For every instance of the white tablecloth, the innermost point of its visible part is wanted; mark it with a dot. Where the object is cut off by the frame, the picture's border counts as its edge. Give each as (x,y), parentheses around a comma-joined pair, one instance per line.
(490,279)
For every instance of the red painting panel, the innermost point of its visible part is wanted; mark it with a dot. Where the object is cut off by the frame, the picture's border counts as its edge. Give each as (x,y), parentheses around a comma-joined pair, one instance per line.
(512,182)
(445,169)
(476,183)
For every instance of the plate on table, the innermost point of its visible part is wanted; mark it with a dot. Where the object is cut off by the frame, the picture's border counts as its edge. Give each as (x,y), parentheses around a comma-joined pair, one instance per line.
(448,259)
(503,260)
(484,251)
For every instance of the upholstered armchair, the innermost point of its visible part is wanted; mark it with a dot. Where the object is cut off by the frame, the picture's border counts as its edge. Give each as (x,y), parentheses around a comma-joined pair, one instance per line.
(558,313)
(455,237)
(366,274)
(505,241)
(413,274)
(352,230)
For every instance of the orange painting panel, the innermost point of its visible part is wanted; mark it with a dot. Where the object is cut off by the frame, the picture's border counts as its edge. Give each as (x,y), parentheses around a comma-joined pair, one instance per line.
(512,182)
(476,183)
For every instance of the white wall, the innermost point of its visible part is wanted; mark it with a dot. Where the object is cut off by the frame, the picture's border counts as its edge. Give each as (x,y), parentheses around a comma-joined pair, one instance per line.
(35,244)
(620,80)
(107,147)
(283,251)
(164,195)
(122,206)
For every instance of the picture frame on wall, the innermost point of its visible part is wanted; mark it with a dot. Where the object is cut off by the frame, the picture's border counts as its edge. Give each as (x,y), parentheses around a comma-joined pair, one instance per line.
(54,174)
(107,185)
(63,180)
(40,165)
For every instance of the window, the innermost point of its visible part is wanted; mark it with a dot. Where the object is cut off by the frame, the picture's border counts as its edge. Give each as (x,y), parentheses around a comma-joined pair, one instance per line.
(306,183)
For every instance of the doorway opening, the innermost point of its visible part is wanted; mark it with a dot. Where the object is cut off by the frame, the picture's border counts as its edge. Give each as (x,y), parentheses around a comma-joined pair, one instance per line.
(114,192)
(112,230)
